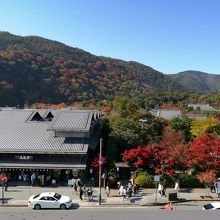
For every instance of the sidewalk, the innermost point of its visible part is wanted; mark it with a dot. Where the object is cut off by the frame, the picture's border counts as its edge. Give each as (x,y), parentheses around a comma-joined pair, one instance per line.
(19,195)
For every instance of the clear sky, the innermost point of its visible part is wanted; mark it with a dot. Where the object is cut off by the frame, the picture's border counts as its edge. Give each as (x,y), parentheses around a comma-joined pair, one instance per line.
(169,35)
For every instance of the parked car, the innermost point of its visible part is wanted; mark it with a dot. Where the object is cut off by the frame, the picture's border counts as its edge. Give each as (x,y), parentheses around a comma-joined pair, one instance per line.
(50,200)
(212,206)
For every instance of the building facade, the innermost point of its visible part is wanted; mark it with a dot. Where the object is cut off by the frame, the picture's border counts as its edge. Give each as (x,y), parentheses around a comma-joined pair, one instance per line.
(54,144)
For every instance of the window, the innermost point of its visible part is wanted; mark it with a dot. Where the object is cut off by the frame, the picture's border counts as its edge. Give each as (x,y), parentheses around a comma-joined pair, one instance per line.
(57,196)
(36,196)
(208,206)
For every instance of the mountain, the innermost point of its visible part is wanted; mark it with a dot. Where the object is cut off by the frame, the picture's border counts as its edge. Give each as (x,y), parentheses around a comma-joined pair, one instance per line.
(196,81)
(34,69)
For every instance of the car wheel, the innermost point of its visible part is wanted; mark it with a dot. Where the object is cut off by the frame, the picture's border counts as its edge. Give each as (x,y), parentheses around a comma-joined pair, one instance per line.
(37,207)
(63,206)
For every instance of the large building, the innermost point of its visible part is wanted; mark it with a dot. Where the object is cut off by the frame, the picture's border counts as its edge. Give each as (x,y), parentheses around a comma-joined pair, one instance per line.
(53,143)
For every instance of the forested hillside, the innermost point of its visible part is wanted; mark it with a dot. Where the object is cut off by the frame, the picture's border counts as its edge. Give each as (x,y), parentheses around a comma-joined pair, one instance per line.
(34,69)
(196,81)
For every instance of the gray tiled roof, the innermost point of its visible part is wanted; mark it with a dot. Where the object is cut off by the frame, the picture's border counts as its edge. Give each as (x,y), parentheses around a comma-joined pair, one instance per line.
(205,107)
(17,134)
(72,121)
(166,113)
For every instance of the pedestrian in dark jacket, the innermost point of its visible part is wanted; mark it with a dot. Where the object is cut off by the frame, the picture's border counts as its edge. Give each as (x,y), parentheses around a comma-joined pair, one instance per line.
(81,193)
(6,184)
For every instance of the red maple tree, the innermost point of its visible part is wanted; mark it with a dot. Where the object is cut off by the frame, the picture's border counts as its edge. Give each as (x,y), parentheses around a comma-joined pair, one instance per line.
(165,157)
(138,157)
(98,161)
(204,153)
(208,177)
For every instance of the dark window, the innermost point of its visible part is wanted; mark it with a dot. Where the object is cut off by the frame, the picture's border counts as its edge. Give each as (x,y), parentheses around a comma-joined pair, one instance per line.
(43,198)
(57,196)
(36,196)
(208,206)
(37,117)
(49,117)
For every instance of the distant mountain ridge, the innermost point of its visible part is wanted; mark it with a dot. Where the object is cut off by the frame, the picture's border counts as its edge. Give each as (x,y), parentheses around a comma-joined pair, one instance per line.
(34,69)
(196,81)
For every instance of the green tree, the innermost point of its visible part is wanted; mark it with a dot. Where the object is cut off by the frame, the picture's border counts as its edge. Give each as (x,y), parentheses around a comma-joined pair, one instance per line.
(139,130)
(125,106)
(182,124)
(125,131)
(150,129)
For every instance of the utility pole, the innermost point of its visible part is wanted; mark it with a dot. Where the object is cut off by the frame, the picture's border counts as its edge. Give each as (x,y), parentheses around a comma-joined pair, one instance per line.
(3,197)
(100,170)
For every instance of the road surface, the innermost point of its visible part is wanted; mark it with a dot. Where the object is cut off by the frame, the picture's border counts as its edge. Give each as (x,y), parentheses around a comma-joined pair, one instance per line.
(110,213)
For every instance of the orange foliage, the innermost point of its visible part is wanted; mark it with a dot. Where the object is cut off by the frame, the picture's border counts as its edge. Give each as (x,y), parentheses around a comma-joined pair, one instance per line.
(59,106)
(169,106)
(106,109)
(207,177)
(40,105)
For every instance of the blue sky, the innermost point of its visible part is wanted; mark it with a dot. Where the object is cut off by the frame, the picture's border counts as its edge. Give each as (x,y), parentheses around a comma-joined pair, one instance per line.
(169,35)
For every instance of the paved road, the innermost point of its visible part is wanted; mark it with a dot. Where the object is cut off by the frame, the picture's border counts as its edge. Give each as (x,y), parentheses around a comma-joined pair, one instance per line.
(107,214)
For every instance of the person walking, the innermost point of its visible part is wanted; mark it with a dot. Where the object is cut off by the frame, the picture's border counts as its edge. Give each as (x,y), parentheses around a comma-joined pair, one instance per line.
(75,187)
(107,190)
(81,193)
(134,189)
(6,183)
(177,186)
(124,194)
(160,188)
(121,189)
(33,177)
(89,193)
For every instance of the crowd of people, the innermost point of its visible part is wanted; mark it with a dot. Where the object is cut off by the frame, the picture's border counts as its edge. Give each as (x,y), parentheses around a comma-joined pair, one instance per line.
(83,191)
(126,191)
(86,193)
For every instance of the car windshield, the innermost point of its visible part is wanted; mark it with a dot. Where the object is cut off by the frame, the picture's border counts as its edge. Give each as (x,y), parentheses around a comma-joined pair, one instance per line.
(208,206)
(36,196)
(57,196)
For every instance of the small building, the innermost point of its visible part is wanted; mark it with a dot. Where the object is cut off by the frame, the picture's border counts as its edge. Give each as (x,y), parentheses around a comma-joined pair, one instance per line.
(166,113)
(195,116)
(53,143)
(202,107)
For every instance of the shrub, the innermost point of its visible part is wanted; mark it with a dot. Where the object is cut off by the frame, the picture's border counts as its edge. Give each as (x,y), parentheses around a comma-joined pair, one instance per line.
(144,180)
(189,181)
(112,181)
(167,181)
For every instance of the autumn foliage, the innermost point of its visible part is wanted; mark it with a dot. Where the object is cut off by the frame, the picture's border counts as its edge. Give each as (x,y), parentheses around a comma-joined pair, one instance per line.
(204,152)
(207,177)
(138,157)
(97,161)
(169,154)
(165,157)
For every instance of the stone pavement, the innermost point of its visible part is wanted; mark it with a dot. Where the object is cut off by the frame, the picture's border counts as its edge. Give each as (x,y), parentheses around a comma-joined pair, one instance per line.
(18,196)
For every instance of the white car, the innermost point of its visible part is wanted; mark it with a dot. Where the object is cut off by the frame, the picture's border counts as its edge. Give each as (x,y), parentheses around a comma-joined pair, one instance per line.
(50,200)
(212,206)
